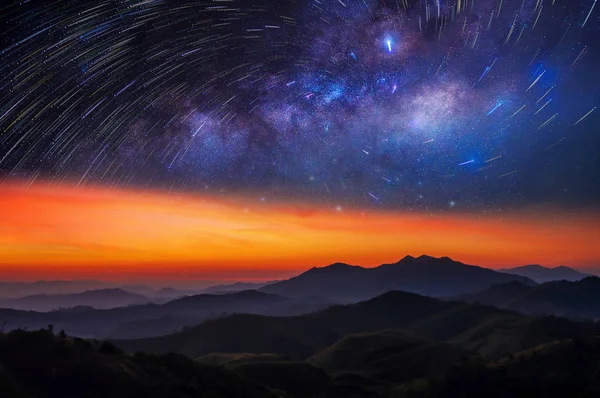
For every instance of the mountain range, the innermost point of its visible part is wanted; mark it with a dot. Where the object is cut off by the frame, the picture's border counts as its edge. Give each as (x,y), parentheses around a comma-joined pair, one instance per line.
(400,270)
(578,299)
(397,344)
(99,299)
(541,274)
(470,326)
(382,364)
(16,290)
(157,319)
(430,276)
(235,287)
(21,289)
(260,344)
(90,314)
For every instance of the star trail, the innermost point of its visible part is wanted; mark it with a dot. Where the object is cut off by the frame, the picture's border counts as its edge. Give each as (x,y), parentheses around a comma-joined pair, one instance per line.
(430,105)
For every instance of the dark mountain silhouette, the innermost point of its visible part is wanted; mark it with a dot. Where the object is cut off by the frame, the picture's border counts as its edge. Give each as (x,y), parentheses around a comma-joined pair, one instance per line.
(139,289)
(249,297)
(542,274)
(172,293)
(163,325)
(41,365)
(437,277)
(562,298)
(157,319)
(479,328)
(100,299)
(21,289)
(235,287)
(497,295)
(192,310)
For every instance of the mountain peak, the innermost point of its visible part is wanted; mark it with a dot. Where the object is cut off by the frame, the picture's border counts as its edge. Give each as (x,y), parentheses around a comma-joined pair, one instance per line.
(421,257)
(426,275)
(426,257)
(335,267)
(425,260)
(532,267)
(339,265)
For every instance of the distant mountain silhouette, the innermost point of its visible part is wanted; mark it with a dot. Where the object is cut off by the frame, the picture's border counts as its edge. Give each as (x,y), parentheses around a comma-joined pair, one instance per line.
(147,320)
(234,287)
(248,297)
(542,274)
(192,310)
(21,289)
(475,327)
(562,298)
(172,293)
(436,277)
(497,295)
(139,289)
(158,326)
(99,299)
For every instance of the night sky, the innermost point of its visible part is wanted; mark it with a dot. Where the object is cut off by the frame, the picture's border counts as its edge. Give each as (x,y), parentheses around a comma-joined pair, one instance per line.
(394,104)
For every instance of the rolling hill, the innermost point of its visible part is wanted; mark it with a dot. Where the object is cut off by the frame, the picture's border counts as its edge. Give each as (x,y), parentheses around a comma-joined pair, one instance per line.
(42,365)
(388,363)
(475,327)
(567,368)
(295,378)
(172,293)
(561,298)
(436,277)
(496,295)
(234,287)
(153,319)
(390,355)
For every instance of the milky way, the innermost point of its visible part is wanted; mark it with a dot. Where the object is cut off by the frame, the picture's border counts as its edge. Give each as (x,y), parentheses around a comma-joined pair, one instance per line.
(430,105)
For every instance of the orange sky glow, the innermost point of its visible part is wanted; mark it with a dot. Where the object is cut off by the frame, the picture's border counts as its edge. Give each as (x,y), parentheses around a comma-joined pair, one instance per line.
(59,232)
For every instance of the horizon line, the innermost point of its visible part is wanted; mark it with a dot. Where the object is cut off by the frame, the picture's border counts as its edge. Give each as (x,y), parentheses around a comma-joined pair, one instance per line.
(290,273)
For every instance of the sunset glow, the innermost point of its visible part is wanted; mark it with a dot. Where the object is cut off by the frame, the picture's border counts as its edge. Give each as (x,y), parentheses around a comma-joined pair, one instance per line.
(62,232)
